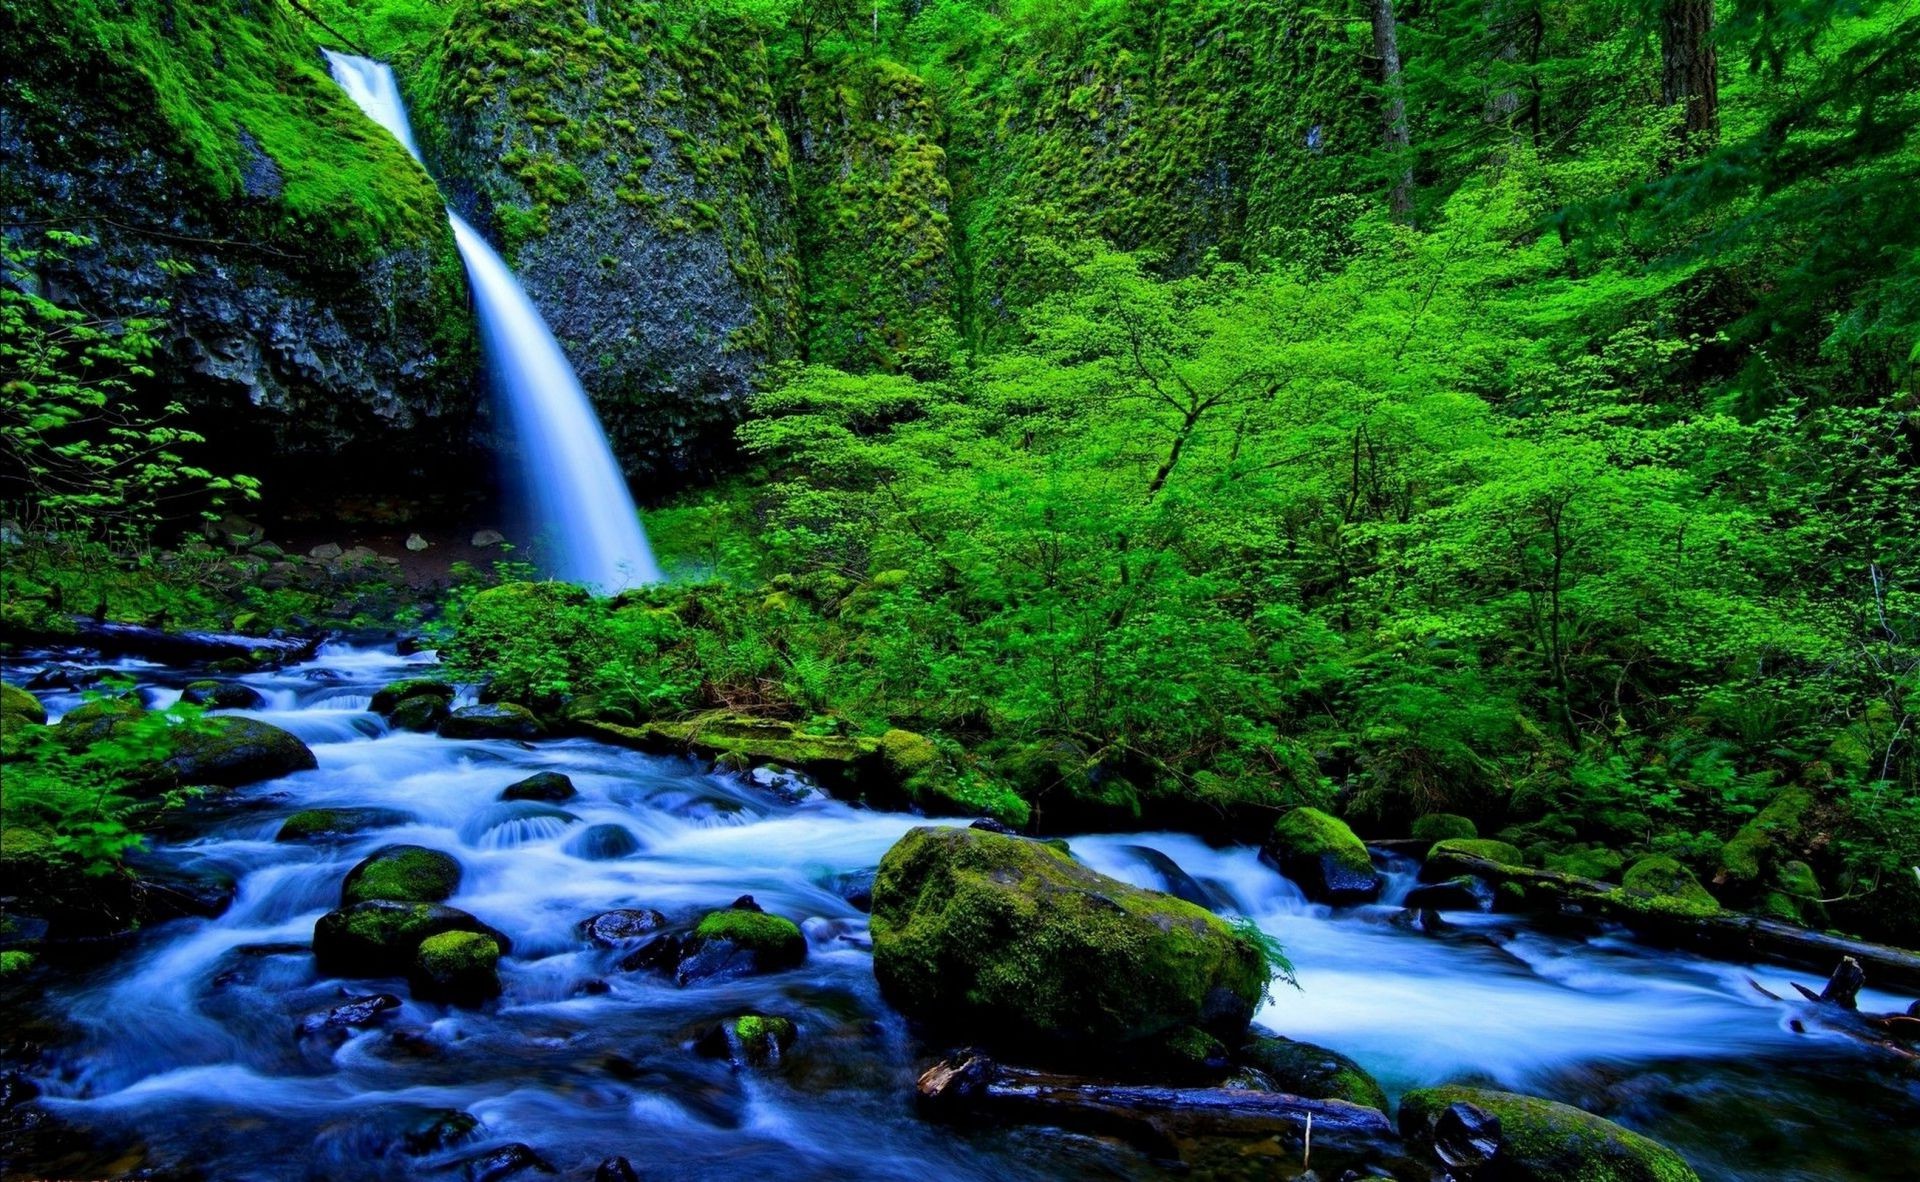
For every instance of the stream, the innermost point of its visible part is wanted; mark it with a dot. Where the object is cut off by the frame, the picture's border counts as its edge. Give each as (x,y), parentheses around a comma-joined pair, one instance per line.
(186,1041)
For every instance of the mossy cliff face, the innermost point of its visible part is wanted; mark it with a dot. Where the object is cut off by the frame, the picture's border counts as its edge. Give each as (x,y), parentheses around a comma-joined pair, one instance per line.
(310,298)
(634,175)
(1010,941)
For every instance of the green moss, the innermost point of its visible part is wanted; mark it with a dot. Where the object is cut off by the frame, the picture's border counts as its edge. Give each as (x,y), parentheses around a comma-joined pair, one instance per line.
(14,960)
(755,930)
(1546,1141)
(1315,1072)
(403,873)
(1012,940)
(312,823)
(1590,862)
(1479,847)
(395,692)
(1444,826)
(458,953)
(1658,876)
(18,707)
(1308,832)
(1746,856)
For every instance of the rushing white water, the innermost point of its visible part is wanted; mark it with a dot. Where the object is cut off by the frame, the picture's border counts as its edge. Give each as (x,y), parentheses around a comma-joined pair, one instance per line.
(185,1041)
(567,466)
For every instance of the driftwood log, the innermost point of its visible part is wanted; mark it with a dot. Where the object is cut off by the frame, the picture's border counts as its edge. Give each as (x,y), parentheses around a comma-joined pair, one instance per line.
(133,640)
(1724,935)
(1838,1007)
(969,1085)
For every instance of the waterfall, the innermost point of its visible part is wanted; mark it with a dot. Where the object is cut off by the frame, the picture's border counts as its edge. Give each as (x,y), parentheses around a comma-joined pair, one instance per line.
(578,492)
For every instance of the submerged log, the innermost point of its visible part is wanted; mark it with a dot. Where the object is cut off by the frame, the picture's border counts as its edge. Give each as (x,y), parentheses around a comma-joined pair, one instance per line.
(971,1085)
(115,640)
(1725,935)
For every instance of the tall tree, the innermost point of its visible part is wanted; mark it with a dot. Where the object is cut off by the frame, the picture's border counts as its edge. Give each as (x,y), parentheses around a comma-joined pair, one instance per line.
(1386,47)
(1689,67)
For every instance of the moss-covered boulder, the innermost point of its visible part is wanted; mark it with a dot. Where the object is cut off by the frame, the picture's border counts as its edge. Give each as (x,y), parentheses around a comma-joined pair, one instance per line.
(1662,882)
(222,695)
(1323,857)
(1594,861)
(1444,827)
(750,1040)
(1535,1140)
(605,842)
(551,787)
(403,873)
(459,966)
(1762,843)
(312,824)
(389,696)
(421,713)
(1010,941)
(1445,859)
(379,938)
(230,751)
(915,766)
(1303,1069)
(738,942)
(19,708)
(493,720)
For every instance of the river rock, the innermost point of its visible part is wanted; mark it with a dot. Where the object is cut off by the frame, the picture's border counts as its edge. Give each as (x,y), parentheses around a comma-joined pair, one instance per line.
(231,751)
(1455,894)
(325,552)
(605,842)
(308,824)
(19,708)
(460,967)
(1664,882)
(378,938)
(404,874)
(1303,1069)
(737,943)
(1005,939)
(440,1130)
(660,954)
(750,1040)
(1323,857)
(222,695)
(611,929)
(392,694)
(1444,826)
(360,1011)
(495,720)
(551,787)
(483,538)
(1525,1139)
(416,543)
(616,1169)
(497,1164)
(420,713)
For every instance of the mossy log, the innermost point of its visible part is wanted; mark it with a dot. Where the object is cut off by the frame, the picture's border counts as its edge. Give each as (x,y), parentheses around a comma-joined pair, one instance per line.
(969,1085)
(133,640)
(1725,935)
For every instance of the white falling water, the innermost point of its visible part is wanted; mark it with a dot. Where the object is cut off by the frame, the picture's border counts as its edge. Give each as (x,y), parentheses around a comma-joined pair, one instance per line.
(578,492)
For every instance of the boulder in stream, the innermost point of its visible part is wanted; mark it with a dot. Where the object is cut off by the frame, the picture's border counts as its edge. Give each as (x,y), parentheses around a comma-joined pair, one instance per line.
(231,751)
(738,942)
(750,1040)
(460,967)
(550,787)
(19,708)
(360,1011)
(496,1165)
(420,713)
(1303,1069)
(311,824)
(222,695)
(493,720)
(611,929)
(1526,1139)
(389,696)
(378,938)
(403,873)
(1323,857)
(1010,940)
(605,842)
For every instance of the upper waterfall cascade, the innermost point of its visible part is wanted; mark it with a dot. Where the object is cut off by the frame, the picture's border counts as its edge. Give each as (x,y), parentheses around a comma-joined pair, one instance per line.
(579,496)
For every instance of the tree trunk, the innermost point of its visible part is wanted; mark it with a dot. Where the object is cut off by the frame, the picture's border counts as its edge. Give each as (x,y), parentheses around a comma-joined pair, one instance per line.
(1386,46)
(1689,68)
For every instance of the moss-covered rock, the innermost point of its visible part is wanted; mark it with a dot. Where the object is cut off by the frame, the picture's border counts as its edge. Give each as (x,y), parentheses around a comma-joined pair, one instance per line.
(1444,827)
(1010,941)
(19,708)
(1541,1141)
(494,720)
(551,787)
(229,751)
(739,942)
(1663,883)
(1323,857)
(308,824)
(1596,862)
(458,966)
(403,873)
(915,765)
(1303,1069)
(422,713)
(1444,860)
(222,695)
(1763,842)
(395,692)
(379,938)
(1794,895)
(750,1040)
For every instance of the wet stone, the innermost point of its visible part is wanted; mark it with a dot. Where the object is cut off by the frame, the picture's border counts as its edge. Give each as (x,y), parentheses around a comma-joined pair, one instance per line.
(508,1161)
(360,1011)
(611,929)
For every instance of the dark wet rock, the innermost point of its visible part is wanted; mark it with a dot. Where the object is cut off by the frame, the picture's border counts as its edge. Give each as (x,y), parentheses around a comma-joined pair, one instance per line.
(1323,857)
(361,1011)
(422,713)
(989,825)
(551,787)
(739,943)
(1303,1069)
(391,695)
(440,1130)
(604,843)
(504,1162)
(1177,882)
(750,1040)
(592,987)
(616,1169)
(1009,939)
(661,954)
(230,751)
(459,967)
(1455,894)
(1533,1140)
(611,929)
(493,720)
(403,873)
(855,886)
(222,695)
(379,938)
(744,903)
(308,824)
(66,677)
